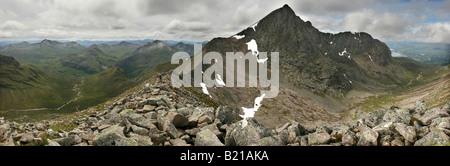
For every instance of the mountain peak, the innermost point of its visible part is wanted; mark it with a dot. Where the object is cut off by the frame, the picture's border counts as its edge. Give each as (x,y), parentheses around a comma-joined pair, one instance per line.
(124,43)
(49,42)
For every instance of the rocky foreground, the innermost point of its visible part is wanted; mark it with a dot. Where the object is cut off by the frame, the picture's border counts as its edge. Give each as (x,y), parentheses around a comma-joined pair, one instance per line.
(158,115)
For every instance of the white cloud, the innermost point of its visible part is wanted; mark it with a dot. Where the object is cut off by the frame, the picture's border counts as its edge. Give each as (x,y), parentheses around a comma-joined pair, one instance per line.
(12,25)
(388,26)
(435,32)
(177,25)
(206,19)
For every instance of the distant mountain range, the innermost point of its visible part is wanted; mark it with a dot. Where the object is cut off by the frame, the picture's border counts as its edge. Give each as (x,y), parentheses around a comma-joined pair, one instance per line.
(434,53)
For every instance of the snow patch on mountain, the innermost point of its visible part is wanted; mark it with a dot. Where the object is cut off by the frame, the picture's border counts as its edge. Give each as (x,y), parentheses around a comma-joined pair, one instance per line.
(250,112)
(239,36)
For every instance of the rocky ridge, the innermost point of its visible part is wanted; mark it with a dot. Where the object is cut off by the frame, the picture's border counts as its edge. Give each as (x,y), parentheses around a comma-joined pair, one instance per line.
(159,115)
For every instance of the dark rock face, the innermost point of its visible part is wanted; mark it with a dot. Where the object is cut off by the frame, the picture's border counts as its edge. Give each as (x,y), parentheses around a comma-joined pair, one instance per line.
(320,62)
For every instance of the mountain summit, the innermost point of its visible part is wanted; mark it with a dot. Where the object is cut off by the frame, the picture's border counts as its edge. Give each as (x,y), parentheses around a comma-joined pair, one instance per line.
(317,69)
(323,63)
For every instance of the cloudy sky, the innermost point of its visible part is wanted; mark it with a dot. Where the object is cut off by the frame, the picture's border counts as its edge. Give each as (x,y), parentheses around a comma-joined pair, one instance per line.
(199,20)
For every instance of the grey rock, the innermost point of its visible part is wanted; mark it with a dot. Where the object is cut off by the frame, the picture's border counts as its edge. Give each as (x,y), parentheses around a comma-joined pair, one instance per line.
(52,143)
(157,137)
(148,108)
(372,119)
(142,140)
(165,125)
(213,128)
(397,142)
(205,119)
(397,116)
(297,128)
(207,138)
(318,138)
(303,140)
(68,141)
(384,128)
(429,115)
(178,142)
(137,119)
(178,120)
(126,142)
(248,135)
(269,141)
(338,132)
(109,136)
(386,140)
(151,115)
(408,132)
(27,138)
(349,139)
(185,111)
(226,115)
(421,107)
(139,130)
(281,128)
(368,138)
(192,132)
(435,137)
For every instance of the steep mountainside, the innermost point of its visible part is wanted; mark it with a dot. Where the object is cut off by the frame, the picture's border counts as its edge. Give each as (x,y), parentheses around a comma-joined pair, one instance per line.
(24,86)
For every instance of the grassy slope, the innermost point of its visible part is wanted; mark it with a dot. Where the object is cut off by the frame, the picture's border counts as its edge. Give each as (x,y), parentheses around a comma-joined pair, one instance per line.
(139,63)
(28,87)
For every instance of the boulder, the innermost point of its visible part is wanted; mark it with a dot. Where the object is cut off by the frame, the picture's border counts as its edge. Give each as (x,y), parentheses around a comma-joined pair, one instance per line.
(435,137)
(386,140)
(137,119)
(372,119)
(421,107)
(384,128)
(368,138)
(349,139)
(178,120)
(207,138)
(109,136)
(269,141)
(139,130)
(248,135)
(226,115)
(408,132)
(126,142)
(397,142)
(142,140)
(27,138)
(178,142)
(318,138)
(148,108)
(338,132)
(192,132)
(68,141)
(52,143)
(397,116)
(429,115)
(165,125)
